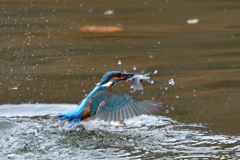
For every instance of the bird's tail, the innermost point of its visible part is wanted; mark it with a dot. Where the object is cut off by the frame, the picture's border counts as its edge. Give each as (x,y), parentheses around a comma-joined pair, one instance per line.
(73,116)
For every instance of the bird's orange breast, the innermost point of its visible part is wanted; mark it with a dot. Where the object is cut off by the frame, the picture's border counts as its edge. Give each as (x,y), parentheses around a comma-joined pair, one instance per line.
(86,113)
(110,89)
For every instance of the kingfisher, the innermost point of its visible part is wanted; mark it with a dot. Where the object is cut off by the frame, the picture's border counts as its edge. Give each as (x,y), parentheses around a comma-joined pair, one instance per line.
(101,103)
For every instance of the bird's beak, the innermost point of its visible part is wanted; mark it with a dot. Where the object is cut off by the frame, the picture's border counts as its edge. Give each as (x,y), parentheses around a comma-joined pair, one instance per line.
(126,76)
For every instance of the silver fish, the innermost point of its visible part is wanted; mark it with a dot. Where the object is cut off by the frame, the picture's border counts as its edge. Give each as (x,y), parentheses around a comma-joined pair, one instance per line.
(137,79)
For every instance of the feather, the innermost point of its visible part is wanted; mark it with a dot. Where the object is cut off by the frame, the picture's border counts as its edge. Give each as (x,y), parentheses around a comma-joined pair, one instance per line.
(111,107)
(97,99)
(120,107)
(74,116)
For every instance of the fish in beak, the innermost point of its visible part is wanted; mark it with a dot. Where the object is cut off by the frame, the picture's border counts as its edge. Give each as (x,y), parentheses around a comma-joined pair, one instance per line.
(137,78)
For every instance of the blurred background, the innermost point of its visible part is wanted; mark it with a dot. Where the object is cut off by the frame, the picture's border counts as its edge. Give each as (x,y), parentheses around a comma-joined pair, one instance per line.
(55,51)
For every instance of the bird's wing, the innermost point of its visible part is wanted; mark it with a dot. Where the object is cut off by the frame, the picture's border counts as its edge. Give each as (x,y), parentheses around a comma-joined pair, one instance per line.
(120,107)
(95,100)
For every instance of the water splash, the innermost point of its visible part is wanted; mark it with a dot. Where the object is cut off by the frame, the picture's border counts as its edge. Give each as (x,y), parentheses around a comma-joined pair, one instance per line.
(119,62)
(142,137)
(192,21)
(108,12)
(171,82)
(152,82)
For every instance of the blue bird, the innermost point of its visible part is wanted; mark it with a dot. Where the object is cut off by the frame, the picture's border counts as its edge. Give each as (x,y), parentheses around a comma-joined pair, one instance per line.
(102,103)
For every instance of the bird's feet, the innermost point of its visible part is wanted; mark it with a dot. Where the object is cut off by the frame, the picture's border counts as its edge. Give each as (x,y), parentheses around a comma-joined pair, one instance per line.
(117,123)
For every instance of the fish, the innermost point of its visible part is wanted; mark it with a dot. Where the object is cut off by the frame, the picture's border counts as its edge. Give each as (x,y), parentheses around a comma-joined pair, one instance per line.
(137,79)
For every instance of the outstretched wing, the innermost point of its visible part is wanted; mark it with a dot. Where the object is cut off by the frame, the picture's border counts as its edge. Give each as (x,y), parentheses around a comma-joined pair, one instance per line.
(120,107)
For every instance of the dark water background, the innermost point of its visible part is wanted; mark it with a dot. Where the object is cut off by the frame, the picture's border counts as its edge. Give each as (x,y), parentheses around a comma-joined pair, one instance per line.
(47,64)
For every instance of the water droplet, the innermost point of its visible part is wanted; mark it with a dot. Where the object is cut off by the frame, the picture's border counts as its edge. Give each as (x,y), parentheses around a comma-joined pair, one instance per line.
(193,21)
(13,88)
(155,72)
(119,62)
(134,68)
(171,82)
(108,12)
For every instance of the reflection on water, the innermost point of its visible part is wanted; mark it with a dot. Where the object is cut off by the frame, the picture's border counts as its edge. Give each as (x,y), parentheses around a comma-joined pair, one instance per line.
(46,57)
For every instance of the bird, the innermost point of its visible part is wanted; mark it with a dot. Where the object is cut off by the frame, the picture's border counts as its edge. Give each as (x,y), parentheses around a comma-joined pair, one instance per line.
(101,103)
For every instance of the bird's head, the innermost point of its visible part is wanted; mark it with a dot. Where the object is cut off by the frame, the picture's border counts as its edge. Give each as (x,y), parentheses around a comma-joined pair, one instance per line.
(113,77)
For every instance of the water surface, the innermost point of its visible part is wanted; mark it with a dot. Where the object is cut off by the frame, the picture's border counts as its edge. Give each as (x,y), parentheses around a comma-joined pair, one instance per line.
(48,64)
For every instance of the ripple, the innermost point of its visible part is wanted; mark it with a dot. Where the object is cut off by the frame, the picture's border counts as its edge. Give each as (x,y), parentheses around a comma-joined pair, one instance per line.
(143,137)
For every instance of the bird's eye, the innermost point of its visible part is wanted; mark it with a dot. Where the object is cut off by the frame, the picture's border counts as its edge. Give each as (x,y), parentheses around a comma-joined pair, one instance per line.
(118,74)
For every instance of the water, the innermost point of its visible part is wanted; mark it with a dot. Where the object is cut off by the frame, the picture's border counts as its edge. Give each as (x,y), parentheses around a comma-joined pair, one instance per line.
(119,62)
(171,82)
(43,136)
(50,53)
